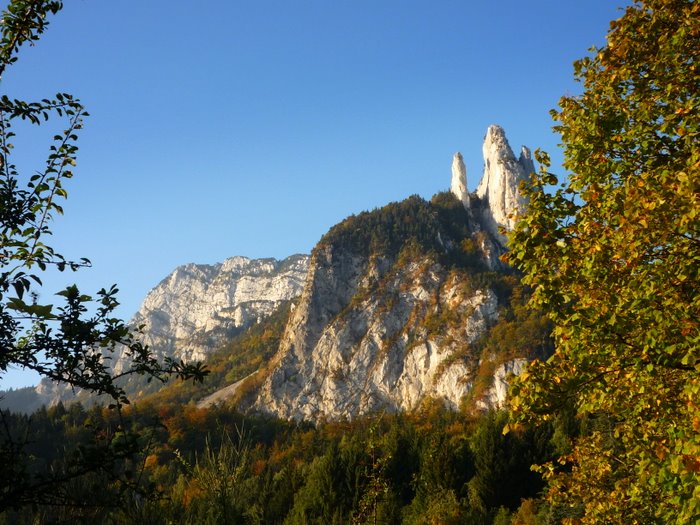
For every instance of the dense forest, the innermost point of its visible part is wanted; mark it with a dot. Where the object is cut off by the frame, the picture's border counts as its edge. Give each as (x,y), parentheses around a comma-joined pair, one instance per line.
(426,225)
(217,466)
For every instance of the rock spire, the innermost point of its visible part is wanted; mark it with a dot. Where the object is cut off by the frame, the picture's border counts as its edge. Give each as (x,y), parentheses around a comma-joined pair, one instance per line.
(499,188)
(459,180)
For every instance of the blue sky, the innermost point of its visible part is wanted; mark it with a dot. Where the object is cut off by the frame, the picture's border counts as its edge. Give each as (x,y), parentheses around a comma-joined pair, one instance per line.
(223,128)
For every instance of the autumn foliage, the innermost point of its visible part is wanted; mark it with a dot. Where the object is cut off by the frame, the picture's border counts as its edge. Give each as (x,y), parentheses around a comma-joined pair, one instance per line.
(613,256)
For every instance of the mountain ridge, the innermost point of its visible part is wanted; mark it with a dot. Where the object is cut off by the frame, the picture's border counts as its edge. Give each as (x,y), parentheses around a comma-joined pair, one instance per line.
(192,312)
(392,305)
(395,300)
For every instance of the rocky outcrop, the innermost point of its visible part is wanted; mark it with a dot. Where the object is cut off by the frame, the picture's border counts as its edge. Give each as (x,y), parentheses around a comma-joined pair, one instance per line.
(199,307)
(380,336)
(458,185)
(499,188)
(495,396)
(385,332)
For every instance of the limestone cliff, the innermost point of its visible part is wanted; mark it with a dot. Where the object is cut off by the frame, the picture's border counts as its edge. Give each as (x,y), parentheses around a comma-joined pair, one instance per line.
(396,302)
(199,307)
(403,336)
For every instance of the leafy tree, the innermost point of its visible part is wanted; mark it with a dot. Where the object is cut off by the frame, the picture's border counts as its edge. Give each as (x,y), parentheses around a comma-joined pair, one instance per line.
(614,259)
(69,344)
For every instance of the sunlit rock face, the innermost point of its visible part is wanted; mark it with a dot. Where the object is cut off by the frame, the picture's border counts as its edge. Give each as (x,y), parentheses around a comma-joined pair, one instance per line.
(199,307)
(382,333)
(499,188)
(361,339)
(458,185)
(497,393)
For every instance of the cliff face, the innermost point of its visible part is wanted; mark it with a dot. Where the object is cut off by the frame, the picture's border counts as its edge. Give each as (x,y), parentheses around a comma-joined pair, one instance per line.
(499,188)
(402,336)
(198,307)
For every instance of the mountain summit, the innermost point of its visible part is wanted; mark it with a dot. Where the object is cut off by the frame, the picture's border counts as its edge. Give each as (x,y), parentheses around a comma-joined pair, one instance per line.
(399,305)
(500,184)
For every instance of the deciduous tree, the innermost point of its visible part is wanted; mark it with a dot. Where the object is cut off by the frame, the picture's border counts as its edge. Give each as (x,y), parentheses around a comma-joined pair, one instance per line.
(613,256)
(71,343)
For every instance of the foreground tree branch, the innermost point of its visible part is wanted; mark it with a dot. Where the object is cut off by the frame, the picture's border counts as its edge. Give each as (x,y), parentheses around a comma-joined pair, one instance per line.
(63,343)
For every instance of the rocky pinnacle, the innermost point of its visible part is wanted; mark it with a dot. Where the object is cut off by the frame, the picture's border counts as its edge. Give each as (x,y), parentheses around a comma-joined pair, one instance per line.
(459,180)
(499,188)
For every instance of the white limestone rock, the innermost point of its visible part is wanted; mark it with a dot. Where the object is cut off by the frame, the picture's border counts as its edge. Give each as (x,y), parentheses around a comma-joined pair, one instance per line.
(497,394)
(458,186)
(350,351)
(499,186)
(198,307)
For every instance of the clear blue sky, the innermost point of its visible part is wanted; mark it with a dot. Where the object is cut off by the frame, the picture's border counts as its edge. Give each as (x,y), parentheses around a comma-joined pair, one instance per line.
(223,128)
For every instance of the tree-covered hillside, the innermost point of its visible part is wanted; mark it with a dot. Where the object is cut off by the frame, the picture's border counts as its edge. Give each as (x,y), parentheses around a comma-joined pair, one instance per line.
(441,226)
(216,466)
